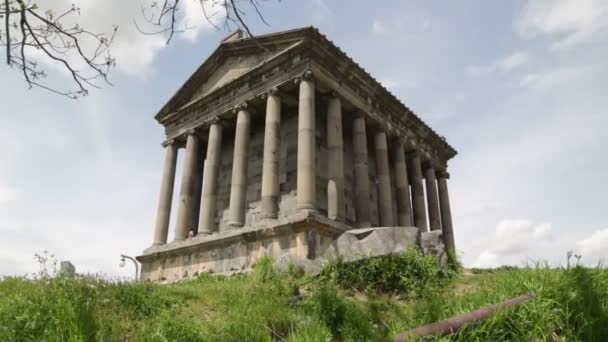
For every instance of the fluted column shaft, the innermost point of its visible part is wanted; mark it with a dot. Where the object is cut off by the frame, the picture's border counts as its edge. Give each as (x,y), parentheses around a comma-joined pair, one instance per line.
(163,214)
(206,224)
(270,165)
(238,187)
(186,198)
(385,198)
(418,206)
(432,198)
(306,178)
(336,208)
(404,206)
(446,213)
(361,172)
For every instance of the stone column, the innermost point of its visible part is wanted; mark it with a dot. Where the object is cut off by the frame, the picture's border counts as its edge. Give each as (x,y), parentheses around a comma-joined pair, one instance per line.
(238,187)
(418,207)
(198,188)
(404,206)
(335,157)
(432,198)
(163,213)
(270,166)
(361,172)
(186,197)
(306,178)
(446,213)
(383,174)
(206,223)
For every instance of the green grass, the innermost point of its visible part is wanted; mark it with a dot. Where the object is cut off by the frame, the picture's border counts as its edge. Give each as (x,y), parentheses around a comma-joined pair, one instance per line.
(362,301)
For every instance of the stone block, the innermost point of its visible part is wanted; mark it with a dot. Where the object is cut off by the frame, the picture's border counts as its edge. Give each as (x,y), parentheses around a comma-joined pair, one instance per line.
(432,244)
(66,267)
(369,242)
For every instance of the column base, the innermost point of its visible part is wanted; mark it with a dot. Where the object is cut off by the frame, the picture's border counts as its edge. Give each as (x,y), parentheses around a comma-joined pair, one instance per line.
(306,206)
(235,225)
(269,216)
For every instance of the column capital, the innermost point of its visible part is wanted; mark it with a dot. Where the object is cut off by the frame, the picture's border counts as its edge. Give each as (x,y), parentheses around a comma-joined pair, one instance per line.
(400,141)
(217,121)
(168,142)
(191,131)
(359,114)
(411,144)
(443,174)
(413,153)
(274,91)
(240,106)
(306,75)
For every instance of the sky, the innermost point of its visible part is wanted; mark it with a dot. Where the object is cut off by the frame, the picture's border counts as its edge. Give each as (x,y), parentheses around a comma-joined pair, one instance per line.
(519,88)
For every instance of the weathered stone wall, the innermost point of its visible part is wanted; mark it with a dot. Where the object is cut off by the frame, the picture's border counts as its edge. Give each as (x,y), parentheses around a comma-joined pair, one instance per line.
(349,177)
(287,169)
(303,235)
(224,258)
(373,186)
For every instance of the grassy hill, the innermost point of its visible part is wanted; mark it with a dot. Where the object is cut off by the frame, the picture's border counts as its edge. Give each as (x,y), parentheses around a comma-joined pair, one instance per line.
(362,301)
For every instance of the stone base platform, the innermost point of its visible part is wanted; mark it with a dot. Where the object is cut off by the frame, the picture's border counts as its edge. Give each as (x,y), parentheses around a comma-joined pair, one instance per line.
(305,238)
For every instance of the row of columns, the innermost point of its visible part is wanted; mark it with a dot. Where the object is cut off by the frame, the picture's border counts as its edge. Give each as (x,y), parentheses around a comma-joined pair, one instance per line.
(409,213)
(186,220)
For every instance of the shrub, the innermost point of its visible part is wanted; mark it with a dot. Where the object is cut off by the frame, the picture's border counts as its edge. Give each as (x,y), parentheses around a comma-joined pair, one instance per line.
(344,318)
(408,273)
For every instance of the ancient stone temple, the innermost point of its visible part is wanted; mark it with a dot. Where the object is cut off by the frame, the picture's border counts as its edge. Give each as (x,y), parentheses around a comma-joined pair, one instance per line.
(288,144)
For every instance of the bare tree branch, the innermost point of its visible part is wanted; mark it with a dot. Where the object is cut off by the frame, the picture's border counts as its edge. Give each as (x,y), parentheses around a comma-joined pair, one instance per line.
(167,16)
(33,35)
(8,33)
(42,35)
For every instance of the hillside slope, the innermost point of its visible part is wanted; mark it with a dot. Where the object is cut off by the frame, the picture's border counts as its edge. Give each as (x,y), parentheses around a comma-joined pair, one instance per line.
(355,302)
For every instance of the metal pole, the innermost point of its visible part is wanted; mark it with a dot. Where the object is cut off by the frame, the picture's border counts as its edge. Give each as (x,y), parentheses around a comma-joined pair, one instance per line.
(135,263)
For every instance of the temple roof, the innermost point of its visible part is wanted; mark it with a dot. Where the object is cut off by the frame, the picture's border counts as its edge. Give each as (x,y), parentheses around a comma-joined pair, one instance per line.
(237,56)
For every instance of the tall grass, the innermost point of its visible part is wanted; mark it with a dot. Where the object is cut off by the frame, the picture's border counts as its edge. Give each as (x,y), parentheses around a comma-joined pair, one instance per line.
(569,305)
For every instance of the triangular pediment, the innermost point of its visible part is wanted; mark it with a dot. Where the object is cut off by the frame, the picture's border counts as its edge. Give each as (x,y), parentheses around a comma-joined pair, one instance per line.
(231,60)
(232,68)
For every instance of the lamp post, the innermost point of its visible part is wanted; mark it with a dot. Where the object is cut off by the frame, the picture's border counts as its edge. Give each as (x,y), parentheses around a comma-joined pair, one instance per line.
(122,264)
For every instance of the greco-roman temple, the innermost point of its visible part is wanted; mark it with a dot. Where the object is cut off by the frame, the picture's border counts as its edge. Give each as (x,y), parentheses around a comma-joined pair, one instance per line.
(287,145)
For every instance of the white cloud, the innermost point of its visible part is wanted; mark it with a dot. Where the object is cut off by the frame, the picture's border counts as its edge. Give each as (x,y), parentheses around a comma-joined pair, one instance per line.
(7,193)
(378,27)
(595,247)
(502,65)
(486,259)
(199,21)
(571,21)
(515,236)
(514,241)
(134,52)
(544,80)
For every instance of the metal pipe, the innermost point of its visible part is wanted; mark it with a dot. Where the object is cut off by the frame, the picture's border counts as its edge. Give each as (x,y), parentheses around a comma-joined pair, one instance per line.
(452,325)
(134,262)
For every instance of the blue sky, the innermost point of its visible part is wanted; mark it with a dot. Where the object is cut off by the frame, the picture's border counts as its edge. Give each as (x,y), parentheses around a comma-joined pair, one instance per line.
(518,88)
